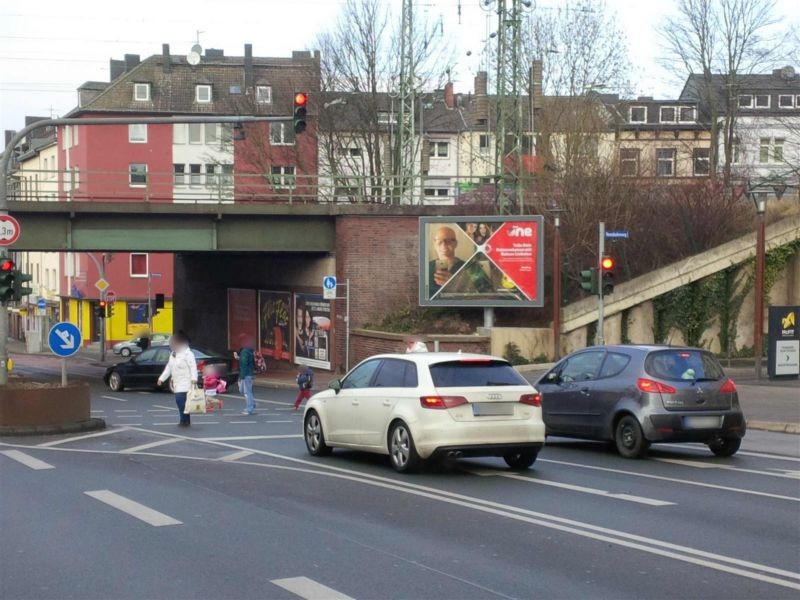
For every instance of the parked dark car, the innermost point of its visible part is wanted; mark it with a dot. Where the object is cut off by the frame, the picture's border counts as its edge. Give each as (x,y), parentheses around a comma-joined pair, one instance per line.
(142,370)
(635,395)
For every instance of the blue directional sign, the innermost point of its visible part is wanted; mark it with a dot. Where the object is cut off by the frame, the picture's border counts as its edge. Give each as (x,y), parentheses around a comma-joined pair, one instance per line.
(329,282)
(618,235)
(64,339)
(41,304)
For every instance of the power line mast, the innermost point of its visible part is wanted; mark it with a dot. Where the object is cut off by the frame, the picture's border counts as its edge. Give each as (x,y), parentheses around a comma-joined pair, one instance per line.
(405,153)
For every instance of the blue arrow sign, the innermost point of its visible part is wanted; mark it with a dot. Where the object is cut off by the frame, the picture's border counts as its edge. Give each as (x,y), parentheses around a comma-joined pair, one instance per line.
(64,339)
(329,282)
(618,235)
(41,304)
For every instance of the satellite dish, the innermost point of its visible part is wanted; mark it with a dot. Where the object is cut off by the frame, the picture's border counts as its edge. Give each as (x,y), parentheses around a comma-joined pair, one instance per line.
(197,48)
(193,58)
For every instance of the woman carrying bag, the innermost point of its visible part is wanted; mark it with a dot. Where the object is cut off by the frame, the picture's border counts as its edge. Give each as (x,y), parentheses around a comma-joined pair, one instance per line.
(182,368)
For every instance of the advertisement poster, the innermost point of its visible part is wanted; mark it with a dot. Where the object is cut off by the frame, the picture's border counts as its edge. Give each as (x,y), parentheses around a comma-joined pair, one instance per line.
(242,316)
(274,310)
(137,317)
(312,331)
(481,261)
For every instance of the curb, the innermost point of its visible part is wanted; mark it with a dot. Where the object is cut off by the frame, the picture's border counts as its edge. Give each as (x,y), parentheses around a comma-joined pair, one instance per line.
(774,426)
(92,424)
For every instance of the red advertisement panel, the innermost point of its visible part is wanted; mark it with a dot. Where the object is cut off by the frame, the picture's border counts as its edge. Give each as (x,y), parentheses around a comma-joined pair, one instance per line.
(242,315)
(513,249)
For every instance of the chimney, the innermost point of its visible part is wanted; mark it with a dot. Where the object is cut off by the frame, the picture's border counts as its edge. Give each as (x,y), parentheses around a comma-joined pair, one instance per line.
(481,111)
(248,66)
(300,54)
(481,79)
(116,68)
(131,60)
(536,85)
(166,59)
(214,53)
(449,97)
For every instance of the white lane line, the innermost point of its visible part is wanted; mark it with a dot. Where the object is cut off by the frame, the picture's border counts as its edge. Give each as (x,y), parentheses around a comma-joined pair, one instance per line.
(165,407)
(114,398)
(160,410)
(27,460)
(308,589)
(251,437)
(133,508)
(173,424)
(126,410)
(128,416)
(709,465)
(241,422)
(165,424)
(712,486)
(257,400)
(236,455)
(97,411)
(278,421)
(82,437)
(149,445)
(675,448)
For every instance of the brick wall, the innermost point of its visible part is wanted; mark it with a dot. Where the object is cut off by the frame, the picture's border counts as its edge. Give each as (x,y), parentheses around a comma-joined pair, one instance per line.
(366,343)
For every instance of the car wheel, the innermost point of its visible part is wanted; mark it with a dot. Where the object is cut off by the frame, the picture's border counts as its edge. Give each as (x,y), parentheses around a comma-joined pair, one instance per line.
(315,437)
(629,438)
(521,460)
(115,382)
(402,451)
(722,446)
(125,352)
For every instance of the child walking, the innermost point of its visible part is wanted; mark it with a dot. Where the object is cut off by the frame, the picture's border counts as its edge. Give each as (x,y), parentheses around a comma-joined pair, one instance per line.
(305,381)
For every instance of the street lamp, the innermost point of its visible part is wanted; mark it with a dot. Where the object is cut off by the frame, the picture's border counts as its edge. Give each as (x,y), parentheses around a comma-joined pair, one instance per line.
(758,310)
(556,210)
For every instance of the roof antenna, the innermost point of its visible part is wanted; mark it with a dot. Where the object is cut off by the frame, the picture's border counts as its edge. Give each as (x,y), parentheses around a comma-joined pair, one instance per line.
(459,12)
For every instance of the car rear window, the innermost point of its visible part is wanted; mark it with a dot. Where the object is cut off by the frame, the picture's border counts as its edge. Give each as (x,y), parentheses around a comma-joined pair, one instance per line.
(471,373)
(683,365)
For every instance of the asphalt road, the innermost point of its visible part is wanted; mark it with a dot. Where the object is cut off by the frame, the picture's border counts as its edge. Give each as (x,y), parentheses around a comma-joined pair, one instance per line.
(234,508)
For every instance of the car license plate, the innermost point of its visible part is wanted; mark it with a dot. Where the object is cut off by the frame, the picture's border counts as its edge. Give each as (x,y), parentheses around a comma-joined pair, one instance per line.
(492,409)
(702,422)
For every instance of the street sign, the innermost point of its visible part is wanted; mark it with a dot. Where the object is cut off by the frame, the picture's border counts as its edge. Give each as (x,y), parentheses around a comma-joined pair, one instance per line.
(618,235)
(111,297)
(41,304)
(101,284)
(9,230)
(64,339)
(329,287)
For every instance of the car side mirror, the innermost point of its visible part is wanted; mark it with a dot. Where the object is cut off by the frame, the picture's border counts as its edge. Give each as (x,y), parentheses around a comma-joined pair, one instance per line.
(552,377)
(335,385)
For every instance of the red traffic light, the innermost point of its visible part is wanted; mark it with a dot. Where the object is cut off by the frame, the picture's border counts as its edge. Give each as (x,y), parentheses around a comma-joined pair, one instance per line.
(7,265)
(300,99)
(102,303)
(607,263)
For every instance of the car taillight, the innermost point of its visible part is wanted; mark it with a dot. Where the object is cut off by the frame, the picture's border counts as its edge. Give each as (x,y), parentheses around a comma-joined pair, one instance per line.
(531,399)
(442,402)
(728,387)
(648,385)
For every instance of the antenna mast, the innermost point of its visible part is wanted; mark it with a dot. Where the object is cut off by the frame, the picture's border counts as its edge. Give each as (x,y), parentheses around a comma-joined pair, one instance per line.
(406,146)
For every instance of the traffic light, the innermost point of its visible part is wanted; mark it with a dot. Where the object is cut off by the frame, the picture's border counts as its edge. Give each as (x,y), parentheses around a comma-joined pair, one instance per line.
(300,109)
(6,279)
(607,265)
(20,289)
(589,280)
(100,309)
(109,310)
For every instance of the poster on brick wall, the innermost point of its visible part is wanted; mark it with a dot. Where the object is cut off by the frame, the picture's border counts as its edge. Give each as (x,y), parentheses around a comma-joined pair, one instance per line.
(242,316)
(312,331)
(274,310)
(481,261)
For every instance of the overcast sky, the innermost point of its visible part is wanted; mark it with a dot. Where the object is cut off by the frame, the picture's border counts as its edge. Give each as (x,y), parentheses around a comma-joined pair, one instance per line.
(48,48)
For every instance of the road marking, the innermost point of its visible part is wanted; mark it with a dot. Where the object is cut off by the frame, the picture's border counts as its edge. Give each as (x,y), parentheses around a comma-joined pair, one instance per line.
(257,400)
(670,479)
(114,398)
(27,460)
(97,411)
(82,437)
(127,416)
(674,448)
(236,455)
(126,410)
(709,465)
(278,421)
(160,410)
(251,437)
(170,408)
(165,424)
(241,422)
(309,589)
(155,444)
(133,508)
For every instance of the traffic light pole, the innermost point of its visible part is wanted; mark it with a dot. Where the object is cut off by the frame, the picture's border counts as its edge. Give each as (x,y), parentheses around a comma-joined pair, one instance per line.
(601,250)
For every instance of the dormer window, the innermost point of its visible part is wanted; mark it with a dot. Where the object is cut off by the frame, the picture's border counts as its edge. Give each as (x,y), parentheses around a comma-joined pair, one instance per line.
(141,92)
(687,114)
(762,101)
(202,94)
(263,94)
(667,114)
(637,114)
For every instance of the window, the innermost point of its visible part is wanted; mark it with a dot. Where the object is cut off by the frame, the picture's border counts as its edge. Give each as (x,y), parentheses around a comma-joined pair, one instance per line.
(614,364)
(457,373)
(137,133)
(785,101)
(281,134)
(235,90)
(226,179)
(195,178)
(139,264)
(141,92)
(211,174)
(361,376)
(226,133)
(45,175)
(527,144)
(637,114)
(263,94)
(745,101)
(701,161)
(67,137)
(686,114)
(395,373)
(211,133)
(483,143)
(629,162)
(683,365)
(436,192)
(763,150)
(384,118)
(350,152)
(777,150)
(195,133)
(179,133)
(582,367)
(283,177)
(667,114)
(665,162)
(736,151)
(439,149)
(762,101)
(179,171)
(202,94)
(137,175)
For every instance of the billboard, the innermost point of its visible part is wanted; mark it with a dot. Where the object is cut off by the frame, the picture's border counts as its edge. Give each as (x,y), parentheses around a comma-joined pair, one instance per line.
(481,261)
(242,317)
(273,324)
(312,331)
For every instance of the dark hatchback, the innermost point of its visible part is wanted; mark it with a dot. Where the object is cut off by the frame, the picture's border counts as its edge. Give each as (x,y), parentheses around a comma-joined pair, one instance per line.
(142,370)
(635,395)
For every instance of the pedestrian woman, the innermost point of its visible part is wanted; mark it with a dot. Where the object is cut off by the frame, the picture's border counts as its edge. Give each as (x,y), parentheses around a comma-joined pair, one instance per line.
(182,369)
(247,371)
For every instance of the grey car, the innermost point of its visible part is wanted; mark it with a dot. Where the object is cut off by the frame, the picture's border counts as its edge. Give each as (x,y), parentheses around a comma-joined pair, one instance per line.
(635,395)
(132,346)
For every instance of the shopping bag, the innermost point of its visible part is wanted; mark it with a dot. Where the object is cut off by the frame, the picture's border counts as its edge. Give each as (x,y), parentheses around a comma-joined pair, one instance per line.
(195,402)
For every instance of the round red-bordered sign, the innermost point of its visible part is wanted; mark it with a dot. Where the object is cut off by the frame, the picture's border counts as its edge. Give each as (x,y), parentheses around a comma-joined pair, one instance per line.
(9,230)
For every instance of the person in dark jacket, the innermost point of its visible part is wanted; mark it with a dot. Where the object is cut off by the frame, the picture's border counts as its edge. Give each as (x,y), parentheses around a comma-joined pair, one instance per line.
(247,371)
(305,381)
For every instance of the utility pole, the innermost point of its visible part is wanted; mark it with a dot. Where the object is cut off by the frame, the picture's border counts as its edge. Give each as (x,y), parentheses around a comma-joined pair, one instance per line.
(557,288)
(601,250)
(405,153)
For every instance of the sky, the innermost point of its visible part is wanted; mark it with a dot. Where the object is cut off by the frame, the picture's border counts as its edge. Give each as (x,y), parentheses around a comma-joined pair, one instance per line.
(46,52)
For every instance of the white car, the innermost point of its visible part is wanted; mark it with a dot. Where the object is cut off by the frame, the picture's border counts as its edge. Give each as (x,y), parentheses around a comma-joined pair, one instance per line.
(423,405)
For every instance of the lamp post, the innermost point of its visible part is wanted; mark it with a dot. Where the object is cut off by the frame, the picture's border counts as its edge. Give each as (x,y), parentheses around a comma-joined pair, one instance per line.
(557,286)
(758,314)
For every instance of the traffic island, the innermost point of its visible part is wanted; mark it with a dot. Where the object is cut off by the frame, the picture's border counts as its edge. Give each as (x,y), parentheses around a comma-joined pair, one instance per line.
(30,408)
